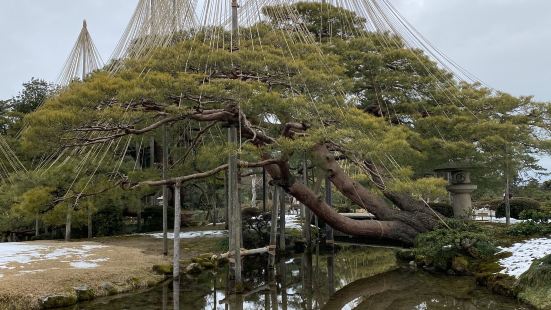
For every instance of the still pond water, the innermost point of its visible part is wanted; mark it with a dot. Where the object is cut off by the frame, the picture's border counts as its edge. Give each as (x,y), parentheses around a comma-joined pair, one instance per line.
(352,278)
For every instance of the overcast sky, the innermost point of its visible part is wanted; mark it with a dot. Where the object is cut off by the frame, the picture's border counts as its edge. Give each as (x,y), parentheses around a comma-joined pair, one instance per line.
(505,43)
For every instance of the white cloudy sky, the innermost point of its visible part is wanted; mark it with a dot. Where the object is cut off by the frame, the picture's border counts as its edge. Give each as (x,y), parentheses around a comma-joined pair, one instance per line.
(506,43)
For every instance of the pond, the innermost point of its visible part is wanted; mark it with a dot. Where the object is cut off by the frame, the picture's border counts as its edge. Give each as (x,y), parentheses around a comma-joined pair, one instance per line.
(352,278)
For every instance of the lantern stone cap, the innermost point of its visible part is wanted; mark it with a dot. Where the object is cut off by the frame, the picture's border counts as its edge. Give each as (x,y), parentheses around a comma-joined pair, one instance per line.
(456,166)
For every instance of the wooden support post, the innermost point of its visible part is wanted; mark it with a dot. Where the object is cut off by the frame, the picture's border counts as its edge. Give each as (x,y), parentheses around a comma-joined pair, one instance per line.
(68,220)
(235,209)
(176,293)
(165,297)
(307,277)
(281,244)
(264,189)
(507,200)
(226,201)
(214,207)
(139,218)
(331,273)
(253,190)
(165,191)
(36,226)
(283,278)
(152,152)
(273,229)
(306,232)
(90,231)
(329,200)
(177,222)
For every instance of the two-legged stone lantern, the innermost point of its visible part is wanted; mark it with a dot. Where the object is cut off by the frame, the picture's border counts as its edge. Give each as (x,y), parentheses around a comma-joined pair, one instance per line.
(460,188)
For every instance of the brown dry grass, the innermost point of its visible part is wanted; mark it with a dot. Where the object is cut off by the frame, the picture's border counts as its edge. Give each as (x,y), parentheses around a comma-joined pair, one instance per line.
(26,285)
(129,266)
(190,248)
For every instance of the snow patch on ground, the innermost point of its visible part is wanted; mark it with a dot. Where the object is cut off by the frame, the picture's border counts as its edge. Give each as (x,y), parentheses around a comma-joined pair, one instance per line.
(193,234)
(83,265)
(293,221)
(524,253)
(488,215)
(19,255)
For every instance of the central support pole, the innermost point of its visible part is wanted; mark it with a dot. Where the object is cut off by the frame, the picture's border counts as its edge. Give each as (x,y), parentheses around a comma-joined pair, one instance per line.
(235,26)
(233,174)
(151,17)
(235,208)
(84,56)
(174,17)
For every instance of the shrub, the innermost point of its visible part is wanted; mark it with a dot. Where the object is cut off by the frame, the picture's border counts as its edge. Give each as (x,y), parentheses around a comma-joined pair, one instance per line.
(535,215)
(108,222)
(443,208)
(529,228)
(518,205)
(439,247)
(535,284)
(538,274)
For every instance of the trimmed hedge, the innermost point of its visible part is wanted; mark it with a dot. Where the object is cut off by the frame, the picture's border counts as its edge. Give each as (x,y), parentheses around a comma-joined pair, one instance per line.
(518,204)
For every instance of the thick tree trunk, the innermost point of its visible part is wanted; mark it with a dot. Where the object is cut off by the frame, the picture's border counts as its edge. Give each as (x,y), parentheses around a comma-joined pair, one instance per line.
(401,225)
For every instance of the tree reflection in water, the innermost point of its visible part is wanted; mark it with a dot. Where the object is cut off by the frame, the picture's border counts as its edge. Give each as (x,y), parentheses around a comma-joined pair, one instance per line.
(352,278)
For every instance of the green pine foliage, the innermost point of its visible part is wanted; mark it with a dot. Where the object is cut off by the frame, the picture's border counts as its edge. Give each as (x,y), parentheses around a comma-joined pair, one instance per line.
(365,92)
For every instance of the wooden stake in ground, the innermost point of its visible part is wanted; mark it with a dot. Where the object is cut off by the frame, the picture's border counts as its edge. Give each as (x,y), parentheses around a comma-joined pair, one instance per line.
(177,221)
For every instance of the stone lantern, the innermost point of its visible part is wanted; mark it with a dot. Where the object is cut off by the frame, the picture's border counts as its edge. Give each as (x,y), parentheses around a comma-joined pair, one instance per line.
(460,188)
